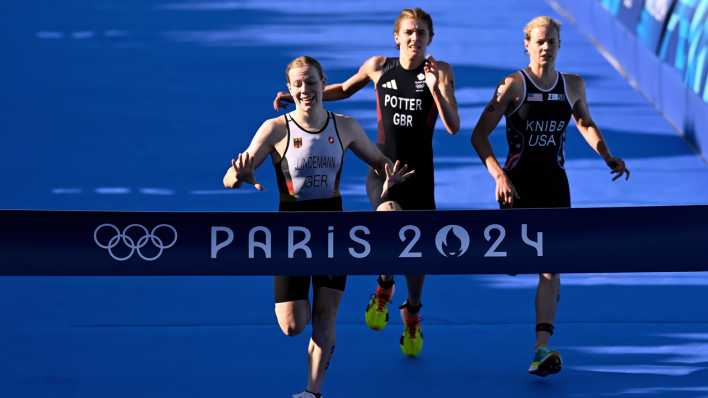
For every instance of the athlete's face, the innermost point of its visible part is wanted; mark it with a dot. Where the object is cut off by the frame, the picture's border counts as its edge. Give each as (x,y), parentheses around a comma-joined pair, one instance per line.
(412,38)
(306,87)
(543,45)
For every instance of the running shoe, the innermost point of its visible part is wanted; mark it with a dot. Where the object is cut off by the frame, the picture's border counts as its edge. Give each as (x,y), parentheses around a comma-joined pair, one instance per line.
(412,337)
(545,362)
(376,316)
(305,394)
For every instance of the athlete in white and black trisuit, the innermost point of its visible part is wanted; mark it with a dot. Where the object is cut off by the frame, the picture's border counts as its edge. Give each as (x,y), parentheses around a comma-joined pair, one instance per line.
(411,91)
(307,148)
(538,102)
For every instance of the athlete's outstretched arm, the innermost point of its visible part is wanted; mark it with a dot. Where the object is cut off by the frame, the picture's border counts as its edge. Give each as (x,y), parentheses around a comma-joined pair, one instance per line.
(489,119)
(243,166)
(441,82)
(361,145)
(589,130)
(355,83)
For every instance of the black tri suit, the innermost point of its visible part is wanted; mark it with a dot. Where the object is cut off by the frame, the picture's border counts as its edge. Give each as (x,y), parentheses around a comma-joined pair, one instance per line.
(535,132)
(406,115)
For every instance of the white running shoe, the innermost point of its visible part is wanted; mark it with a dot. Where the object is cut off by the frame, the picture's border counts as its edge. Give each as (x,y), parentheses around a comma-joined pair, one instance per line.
(305,394)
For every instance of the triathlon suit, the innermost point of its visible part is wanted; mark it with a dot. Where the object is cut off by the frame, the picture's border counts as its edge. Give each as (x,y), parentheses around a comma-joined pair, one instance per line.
(535,132)
(308,176)
(406,115)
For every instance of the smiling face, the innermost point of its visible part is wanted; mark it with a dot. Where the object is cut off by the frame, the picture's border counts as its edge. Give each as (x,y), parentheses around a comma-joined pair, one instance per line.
(412,38)
(542,45)
(306,86)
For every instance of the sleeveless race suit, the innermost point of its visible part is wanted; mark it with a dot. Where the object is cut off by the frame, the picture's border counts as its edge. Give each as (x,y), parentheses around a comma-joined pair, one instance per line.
(406,115)
(308,176)
(535,133)
(309,171)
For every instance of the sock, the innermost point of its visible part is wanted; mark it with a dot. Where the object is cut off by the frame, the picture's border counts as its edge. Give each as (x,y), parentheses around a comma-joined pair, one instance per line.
(412,309)
(545,327)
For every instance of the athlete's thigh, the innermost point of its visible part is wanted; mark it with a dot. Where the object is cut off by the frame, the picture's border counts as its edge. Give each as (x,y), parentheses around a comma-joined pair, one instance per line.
(292,316)
(292,307)
(291,288)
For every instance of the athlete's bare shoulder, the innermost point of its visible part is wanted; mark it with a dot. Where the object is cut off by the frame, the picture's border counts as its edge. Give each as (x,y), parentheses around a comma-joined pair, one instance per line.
(275,122)
(348,128)
(373,64)
(511,87)
(573,81)
(274,129)
(574,86)
(344,121)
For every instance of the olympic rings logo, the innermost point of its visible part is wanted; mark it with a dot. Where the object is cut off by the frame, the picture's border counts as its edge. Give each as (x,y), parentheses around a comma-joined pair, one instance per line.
(130,243)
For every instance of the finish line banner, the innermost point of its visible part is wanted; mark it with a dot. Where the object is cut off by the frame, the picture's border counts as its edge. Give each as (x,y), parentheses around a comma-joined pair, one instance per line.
(518,241)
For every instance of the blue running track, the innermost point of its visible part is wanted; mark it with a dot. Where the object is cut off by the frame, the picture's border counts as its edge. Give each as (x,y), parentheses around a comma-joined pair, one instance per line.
(139,105)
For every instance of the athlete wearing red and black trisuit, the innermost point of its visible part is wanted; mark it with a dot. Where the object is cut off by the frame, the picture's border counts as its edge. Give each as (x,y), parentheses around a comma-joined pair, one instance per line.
(308,175)
(535,132)
(406,114)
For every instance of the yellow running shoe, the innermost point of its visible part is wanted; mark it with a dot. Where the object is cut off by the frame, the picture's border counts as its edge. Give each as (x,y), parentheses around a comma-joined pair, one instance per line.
(376,315)
(412,337)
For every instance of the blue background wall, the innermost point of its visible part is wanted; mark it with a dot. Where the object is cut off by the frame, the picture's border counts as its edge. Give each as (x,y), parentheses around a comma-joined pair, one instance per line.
(661,48)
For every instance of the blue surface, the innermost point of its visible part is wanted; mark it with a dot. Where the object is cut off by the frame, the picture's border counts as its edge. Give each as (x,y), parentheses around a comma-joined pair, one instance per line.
(140,105)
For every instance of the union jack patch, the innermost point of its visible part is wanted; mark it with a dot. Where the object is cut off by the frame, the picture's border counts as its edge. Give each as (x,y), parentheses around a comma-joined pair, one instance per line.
(297,142)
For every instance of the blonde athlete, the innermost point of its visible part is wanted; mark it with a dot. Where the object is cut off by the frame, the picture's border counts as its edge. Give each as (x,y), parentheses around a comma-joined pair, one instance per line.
(537,102)
(307,148)
(411,91)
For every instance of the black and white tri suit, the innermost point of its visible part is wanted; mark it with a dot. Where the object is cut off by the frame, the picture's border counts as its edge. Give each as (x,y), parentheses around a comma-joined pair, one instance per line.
(308,176)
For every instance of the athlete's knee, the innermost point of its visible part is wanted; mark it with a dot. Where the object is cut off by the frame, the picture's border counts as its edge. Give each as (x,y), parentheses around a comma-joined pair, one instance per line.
(291,328)
(550,282)
(389,205)
(549,277)
(292,324)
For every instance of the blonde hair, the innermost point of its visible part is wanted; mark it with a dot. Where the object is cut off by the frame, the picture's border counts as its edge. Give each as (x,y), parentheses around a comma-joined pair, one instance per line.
(301,61)
(542,20)
(414,13)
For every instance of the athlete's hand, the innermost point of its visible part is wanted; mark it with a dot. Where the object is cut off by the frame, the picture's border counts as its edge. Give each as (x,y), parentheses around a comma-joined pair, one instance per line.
(505,191)
(617,168)
(431,72)
(244,170)
(281,101)
(395,174)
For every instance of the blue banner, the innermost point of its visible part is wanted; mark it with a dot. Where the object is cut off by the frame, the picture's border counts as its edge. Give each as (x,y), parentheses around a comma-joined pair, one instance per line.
(685,43)
(652,21)
(627,11)
(331,243)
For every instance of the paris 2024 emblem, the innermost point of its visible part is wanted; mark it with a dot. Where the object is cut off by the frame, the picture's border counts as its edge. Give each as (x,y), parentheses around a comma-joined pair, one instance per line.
(452,241)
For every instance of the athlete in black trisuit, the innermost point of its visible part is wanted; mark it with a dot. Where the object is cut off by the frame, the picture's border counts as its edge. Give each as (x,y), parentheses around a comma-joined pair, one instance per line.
(538,102)
(307,148)
(411,91)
